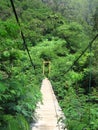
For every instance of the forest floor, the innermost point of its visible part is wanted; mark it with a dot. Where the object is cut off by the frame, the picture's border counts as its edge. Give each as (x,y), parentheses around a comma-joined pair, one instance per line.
(49,115)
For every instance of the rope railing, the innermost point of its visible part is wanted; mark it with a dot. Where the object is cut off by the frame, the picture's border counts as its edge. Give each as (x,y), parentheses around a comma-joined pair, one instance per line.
(22,34)
(90,70)
(77,59)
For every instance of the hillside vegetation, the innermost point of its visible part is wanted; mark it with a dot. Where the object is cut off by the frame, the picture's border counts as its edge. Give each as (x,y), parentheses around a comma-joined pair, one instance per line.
(56,33)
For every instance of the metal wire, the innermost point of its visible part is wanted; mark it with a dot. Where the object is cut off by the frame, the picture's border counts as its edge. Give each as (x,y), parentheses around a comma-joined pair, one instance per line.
(77,59)
(22,34)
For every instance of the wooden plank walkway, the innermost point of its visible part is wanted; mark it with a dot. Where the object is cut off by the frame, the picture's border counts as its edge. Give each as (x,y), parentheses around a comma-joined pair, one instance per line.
(48,113)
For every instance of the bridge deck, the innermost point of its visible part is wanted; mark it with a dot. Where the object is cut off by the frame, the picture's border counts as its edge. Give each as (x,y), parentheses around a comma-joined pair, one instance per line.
(48,113)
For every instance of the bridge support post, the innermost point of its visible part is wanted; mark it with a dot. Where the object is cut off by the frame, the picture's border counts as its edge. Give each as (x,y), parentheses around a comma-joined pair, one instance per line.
(46,64)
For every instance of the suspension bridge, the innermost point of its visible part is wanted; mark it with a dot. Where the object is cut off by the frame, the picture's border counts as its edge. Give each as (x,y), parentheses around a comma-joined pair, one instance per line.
(49,115)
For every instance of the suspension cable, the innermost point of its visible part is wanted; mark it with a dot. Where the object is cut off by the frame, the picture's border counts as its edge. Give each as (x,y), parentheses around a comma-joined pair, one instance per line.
(22,34)
(77,59)
(90,72)
(90,78)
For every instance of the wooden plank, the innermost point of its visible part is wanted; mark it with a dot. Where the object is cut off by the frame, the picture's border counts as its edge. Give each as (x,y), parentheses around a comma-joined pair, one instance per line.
(48,112)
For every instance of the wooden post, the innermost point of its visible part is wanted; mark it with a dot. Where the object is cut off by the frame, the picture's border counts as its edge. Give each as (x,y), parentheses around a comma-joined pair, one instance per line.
(43,68)
(49,67)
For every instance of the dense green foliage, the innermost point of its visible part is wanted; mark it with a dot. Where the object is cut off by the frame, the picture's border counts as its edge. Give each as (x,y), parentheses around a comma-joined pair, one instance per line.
(57,37)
